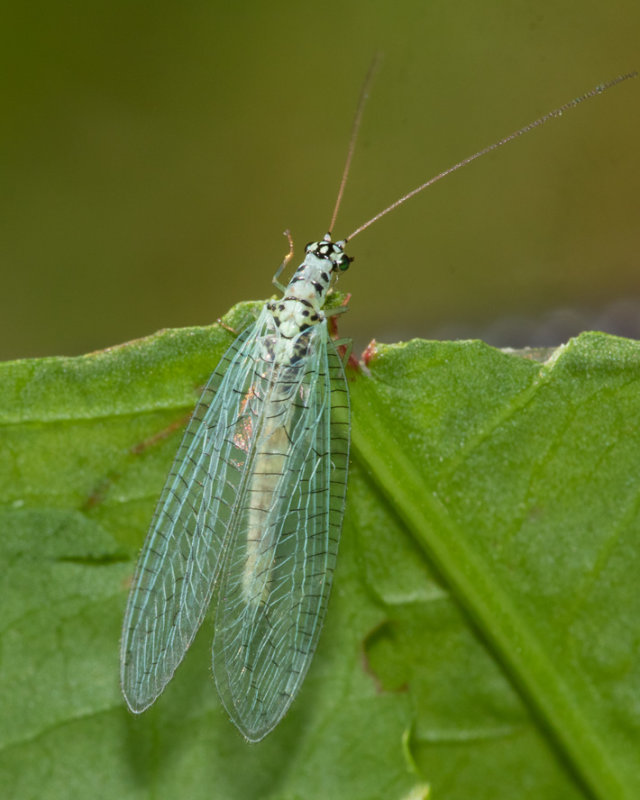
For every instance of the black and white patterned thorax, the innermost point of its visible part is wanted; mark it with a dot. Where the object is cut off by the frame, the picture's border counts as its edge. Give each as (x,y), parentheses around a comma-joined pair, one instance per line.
(301,306)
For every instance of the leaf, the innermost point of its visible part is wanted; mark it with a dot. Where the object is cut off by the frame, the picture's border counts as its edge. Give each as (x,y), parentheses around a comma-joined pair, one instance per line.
(483,630)
(519,481)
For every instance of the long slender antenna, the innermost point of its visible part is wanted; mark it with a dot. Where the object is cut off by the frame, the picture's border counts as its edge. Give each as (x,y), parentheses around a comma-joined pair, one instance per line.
(364,96)
(557,112)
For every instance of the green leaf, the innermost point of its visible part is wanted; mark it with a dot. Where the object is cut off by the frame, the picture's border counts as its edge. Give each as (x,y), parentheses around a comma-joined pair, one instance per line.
(484,627)
(519,481)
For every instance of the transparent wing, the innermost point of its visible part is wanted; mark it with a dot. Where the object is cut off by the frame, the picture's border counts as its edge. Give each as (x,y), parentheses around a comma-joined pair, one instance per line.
(276,576)
(195,515)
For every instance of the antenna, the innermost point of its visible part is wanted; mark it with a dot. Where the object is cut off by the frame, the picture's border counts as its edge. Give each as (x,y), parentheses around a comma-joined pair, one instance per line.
(364,96)
(557,112)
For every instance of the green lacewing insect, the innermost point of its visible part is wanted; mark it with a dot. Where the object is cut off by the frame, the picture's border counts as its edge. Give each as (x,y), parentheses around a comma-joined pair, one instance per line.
(252,509)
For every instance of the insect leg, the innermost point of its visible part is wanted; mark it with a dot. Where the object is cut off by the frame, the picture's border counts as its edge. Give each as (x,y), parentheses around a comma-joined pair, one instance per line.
(280,286)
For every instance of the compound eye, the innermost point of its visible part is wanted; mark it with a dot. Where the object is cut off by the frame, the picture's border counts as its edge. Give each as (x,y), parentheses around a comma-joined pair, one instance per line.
(343,262)
(308,246)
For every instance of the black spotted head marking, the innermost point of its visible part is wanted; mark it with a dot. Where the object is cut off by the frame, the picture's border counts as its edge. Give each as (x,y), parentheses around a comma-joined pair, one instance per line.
(331,251)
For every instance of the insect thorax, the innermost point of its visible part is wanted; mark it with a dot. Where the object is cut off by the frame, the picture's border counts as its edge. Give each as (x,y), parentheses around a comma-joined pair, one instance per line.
(301,306)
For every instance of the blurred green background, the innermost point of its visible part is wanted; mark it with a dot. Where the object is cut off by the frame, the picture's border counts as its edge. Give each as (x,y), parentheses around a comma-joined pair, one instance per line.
(152,155)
